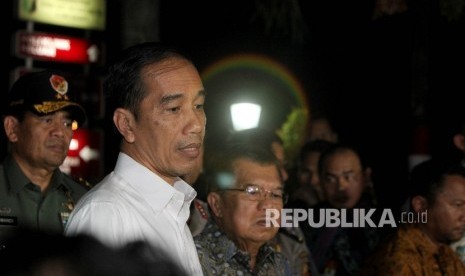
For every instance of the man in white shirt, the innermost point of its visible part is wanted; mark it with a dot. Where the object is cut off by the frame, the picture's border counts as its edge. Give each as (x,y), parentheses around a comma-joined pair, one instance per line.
(158,99)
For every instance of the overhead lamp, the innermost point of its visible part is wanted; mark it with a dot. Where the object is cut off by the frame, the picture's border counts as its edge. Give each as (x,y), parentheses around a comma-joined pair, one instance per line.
(245,115)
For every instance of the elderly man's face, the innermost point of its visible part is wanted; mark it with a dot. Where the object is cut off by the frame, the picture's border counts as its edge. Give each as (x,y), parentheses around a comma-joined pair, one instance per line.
(243,216)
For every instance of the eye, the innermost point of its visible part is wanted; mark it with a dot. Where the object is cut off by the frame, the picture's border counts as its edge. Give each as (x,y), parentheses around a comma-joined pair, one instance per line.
(174,109)
(199,106)
(46,120)
(68,123)
(277,194)
(252,190)
(349,176)
(331,179)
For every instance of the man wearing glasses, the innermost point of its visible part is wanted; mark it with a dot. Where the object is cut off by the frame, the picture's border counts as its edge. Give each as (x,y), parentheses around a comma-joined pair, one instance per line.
(242,186)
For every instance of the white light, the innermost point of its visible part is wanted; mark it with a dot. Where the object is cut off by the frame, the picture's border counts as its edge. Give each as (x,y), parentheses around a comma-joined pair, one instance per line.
(245,115)
(74,145)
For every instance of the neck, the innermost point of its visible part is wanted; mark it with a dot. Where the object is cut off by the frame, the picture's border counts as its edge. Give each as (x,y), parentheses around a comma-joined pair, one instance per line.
(252,249)
(38,176)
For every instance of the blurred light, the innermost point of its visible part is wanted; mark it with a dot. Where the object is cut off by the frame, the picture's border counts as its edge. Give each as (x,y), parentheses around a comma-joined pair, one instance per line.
(74,145)
(74,125)
(245,115)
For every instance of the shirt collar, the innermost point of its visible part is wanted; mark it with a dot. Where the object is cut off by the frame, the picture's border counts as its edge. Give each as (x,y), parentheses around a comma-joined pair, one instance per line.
(154,189)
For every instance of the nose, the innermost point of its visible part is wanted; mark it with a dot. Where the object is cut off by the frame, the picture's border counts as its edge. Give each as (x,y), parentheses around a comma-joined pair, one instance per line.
(343,183)
(266,201)
(59,128)
(197,121)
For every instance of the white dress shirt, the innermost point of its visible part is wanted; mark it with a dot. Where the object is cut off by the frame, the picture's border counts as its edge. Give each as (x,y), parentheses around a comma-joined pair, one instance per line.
(132,203)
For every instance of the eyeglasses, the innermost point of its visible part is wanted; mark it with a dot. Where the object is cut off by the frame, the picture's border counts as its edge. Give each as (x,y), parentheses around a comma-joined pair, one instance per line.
(258,193)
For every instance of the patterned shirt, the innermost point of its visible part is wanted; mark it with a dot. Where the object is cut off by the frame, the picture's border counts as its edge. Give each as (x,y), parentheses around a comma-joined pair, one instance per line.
(410,252)
(341,251)
(219,256)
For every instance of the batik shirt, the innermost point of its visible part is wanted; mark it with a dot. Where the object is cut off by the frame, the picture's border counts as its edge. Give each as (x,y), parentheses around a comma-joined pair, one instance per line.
(341,251)
(410,252)
(219,255)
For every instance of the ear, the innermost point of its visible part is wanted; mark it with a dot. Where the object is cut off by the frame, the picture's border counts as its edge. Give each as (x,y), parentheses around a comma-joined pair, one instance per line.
(419,204)
(10,124)
(459,141)
(124,122)
(215,203)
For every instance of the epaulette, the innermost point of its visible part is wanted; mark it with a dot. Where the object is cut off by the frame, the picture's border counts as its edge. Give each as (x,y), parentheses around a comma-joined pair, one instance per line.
(86,184)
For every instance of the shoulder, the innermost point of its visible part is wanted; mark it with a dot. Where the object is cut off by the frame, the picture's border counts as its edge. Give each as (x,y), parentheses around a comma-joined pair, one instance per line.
(73,182)
(82,182)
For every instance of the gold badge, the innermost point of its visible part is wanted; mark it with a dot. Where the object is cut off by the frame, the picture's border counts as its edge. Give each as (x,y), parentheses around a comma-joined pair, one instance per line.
(59,84)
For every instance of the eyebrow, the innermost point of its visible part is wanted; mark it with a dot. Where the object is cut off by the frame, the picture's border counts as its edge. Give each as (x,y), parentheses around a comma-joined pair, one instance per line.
(172,97)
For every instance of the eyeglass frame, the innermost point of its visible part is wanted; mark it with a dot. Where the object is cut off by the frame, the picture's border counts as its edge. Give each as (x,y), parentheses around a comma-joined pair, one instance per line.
(262,193)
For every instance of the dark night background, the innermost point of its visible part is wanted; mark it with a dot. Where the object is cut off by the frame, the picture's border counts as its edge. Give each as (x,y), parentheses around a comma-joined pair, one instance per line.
(379,80)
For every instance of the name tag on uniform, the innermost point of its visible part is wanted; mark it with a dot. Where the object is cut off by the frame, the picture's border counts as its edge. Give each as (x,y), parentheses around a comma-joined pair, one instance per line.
(8,220)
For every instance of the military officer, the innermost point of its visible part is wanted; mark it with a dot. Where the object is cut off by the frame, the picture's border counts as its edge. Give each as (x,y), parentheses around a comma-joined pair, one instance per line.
(39,118)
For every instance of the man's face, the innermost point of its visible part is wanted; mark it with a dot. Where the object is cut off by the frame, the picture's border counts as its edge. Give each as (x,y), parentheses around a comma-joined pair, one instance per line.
(446,216)
(343,181)
(169,132)
(41,141)
(320,129)
(243,219)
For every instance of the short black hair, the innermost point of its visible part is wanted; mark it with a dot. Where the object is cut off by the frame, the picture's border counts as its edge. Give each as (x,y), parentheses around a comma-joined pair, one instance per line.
(258,135)
(219,167)
(334,149)
(318,146)
(123,85)
(427,178)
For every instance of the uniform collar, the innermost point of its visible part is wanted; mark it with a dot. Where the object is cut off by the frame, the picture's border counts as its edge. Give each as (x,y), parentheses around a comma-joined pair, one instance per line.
(17,180)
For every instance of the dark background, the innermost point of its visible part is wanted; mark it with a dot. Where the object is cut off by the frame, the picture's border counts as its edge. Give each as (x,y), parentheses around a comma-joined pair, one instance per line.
(379,80)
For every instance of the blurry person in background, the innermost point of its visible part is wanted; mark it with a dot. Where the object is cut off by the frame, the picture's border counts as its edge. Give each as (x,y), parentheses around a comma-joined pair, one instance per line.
(243,184)
(158,108)
(320,128)
(345,180)
(39,119)
(459,142)
(39,253)
(420,245)
(309,192)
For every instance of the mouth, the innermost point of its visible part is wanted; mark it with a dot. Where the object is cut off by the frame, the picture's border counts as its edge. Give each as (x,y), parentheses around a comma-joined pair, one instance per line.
(262,222)
(461,229)
(191,150)
(57,147)
(343,198)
